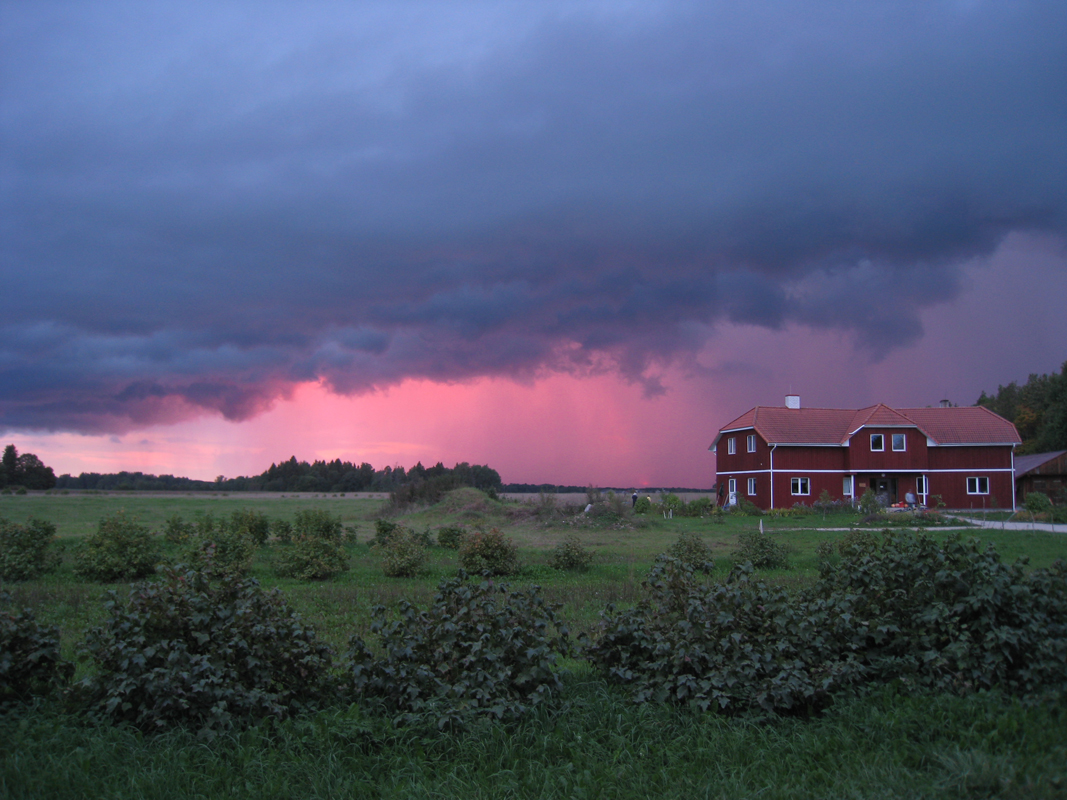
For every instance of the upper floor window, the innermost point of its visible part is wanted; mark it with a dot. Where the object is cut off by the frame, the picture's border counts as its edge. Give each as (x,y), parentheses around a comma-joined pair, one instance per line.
(978,486)
(899,442)
(752,443)
(731,445)
(877,443)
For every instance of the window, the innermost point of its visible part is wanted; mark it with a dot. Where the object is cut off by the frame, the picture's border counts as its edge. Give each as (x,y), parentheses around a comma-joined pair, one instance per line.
(921,487)
(846,486)
(731,485)
(752,443)
(877,443)
(800,485)
(731,445)
(751,487)
(978,486)
(899,442)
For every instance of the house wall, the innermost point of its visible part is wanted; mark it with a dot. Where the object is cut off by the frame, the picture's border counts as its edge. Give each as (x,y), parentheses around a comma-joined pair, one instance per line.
(863,459)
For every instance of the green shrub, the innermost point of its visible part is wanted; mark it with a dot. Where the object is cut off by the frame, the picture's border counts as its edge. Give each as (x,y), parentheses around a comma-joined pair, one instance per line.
(825,552)
(222,551)
(177,530)
(213,656)
(643,505)
(869,503)
(310,558)
(120,549)
(384,531)
(492,553)
(252,523)
(856,541)
(403,555)
(700,507)
(282,530)
(759,549)
(26,550)
(30,664)
(1037,503)
(570,555)
(320,524)
(691,549)
(479,649)
(731,647)
(450,537)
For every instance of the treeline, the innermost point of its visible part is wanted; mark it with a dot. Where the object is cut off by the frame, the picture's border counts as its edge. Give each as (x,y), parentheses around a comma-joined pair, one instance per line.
(24,470)
(1038,408)
(296,476)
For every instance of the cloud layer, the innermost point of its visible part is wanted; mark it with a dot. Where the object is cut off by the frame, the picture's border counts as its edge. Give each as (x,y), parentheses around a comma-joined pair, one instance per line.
(202,207)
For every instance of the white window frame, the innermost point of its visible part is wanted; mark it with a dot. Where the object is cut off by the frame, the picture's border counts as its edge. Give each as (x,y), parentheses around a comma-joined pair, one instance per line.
(975,484)
(731,446)
(800,487)
(922,486)
(751,487)
(881,442)
(846,485)
(752,443)
(731,485)
(903,443)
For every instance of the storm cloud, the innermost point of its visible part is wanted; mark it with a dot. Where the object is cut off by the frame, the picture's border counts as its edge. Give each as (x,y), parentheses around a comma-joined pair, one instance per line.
(203,205)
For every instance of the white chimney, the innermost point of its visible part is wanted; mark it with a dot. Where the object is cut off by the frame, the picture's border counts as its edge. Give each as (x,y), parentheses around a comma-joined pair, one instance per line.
(792,401)
(946,404)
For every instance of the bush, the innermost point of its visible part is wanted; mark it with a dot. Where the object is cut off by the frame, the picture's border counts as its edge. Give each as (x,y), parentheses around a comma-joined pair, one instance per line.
(253,524)
(479,649)
(857,542)
(869,503)
(320,524)
(450,537)
(214,656)
(1037,503)
(222,550)
(25,550)
(759,549)
(177,530)
(384,531)
(492,553)
(282,530)
(643,505)
(120,549)
(730,647)
(403,555)
(311,558)
(30,664)
(691,549)
(570,555)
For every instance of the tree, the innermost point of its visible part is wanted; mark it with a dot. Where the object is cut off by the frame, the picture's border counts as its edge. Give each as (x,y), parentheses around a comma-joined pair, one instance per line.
(25,470)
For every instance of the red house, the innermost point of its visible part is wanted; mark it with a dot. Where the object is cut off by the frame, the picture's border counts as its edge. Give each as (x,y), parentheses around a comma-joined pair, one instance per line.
(778,457)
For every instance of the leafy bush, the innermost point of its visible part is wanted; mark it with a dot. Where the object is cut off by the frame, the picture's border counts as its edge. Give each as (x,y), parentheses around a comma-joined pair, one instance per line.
(120,549)
(733,646)
(311,558)
(478,649)
(856,541)
(317,523)
(492,553)
(214,656)
(30,664)
(761,551)
(570,555)
(450,537)
(177,530)
(643,505)
(222,550)
(384,531)
(253,524)
(1037,503)
(691,549)
(403,555)
(869,503)
(26,550)
(282,530)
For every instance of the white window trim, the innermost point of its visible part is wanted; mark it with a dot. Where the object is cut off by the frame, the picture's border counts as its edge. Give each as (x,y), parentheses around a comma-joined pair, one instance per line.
(878,449)
(796,486)
(922,485)
(751,487)
(752,443)
(731,485)
(978,479)
(848,484)
(731,446)
(903,440)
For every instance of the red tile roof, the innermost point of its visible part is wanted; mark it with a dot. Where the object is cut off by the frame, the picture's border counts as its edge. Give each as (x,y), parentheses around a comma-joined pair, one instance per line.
(834,426)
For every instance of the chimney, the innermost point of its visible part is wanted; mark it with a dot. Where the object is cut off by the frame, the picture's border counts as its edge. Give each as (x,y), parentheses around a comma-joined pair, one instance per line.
(946,404)
(792,401)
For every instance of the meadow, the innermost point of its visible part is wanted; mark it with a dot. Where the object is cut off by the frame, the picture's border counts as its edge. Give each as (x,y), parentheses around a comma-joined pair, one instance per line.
(591,740)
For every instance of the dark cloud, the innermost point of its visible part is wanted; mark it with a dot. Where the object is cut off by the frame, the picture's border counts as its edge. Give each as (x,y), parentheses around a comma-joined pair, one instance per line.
(200,206)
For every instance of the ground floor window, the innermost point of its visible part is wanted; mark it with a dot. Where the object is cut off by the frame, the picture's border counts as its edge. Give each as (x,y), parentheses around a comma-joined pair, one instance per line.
(800,485)
(751,487)
(921,486)
(846,486)
(978,486)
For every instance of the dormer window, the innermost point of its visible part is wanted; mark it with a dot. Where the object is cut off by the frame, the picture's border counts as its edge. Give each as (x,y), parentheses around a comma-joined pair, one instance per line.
(752,443)
(877,443)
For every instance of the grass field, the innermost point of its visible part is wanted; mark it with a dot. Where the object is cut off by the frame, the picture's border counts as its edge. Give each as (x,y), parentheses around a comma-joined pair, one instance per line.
(589,742)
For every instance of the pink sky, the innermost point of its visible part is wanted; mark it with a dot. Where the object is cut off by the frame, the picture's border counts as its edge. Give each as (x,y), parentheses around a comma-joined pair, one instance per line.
(601,430)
